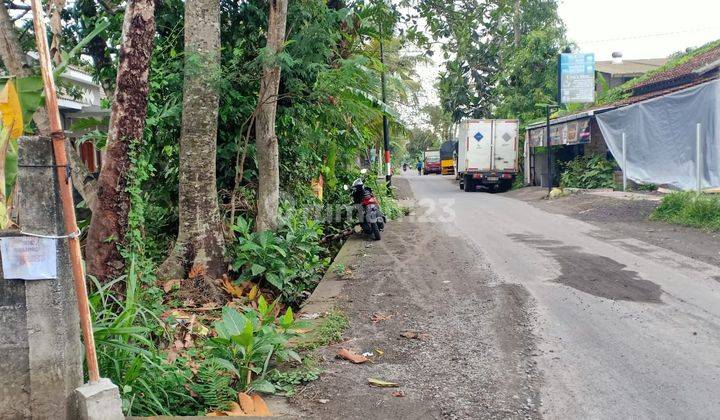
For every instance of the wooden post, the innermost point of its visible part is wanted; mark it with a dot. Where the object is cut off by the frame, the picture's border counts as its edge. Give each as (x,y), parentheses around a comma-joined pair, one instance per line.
(65,187)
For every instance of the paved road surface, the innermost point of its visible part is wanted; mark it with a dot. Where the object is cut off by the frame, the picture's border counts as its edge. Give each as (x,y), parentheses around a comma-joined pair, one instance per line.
(624,329)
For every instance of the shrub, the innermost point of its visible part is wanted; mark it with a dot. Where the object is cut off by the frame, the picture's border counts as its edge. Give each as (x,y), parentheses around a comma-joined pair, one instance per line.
(588,172)
(289,259)
(249,344)
(690,209)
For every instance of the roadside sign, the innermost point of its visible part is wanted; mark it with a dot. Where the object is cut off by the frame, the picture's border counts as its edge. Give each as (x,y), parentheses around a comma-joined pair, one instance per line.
(28,258)
(577,78)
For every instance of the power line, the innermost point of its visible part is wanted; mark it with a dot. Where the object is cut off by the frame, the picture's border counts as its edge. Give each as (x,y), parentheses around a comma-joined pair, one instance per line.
(649,35)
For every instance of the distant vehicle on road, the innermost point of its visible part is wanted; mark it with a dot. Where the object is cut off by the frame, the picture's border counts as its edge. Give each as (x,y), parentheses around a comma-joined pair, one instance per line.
(487,154)
(447,157)
(431,163)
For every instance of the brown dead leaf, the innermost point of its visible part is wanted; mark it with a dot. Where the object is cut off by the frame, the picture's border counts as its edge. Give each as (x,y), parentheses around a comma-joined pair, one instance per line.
(380,316)
(246,402)
(351,356)
(197,271)
(233,290)
(235,410)
(215,414)
(398,394)
(253,294)
(261,408)
(171,284)
(414,335)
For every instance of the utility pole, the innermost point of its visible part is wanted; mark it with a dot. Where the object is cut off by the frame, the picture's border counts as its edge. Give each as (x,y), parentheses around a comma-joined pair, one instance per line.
(386,125)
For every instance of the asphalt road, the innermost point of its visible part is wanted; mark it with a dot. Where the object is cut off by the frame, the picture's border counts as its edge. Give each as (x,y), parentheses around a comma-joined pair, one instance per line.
(623,329)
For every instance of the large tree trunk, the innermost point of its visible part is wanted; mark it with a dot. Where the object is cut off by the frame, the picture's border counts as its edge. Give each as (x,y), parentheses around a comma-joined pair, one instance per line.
(200,243)
(14,59)
(516,24)
(127,121)
(266,140)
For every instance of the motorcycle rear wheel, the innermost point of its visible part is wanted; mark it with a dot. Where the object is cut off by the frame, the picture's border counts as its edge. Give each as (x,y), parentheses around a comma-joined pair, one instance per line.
(375,231)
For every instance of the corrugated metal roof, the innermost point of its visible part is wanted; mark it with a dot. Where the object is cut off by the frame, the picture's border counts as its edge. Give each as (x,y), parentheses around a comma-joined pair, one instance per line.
(630,67)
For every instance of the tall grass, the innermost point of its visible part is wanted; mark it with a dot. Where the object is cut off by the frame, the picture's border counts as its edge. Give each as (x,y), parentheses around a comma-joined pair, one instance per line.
(690,209)
(124,329)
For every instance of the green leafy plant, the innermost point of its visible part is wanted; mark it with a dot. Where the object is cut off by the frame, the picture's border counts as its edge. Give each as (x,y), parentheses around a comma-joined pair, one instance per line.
(289,259)
(249,344)
(588,172)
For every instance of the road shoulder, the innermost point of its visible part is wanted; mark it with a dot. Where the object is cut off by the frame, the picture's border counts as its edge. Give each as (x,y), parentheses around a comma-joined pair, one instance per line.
(435,322)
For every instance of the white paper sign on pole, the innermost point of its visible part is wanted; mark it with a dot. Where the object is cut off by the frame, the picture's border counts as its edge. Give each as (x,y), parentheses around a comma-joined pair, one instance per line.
(28,258)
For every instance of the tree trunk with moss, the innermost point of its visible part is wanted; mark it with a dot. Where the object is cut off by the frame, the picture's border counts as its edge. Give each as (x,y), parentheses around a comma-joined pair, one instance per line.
(127,121)
(266,139)
(200,245)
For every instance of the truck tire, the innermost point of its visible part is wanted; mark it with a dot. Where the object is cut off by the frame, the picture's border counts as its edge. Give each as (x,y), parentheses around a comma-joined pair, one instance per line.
(469,184)
(461,182)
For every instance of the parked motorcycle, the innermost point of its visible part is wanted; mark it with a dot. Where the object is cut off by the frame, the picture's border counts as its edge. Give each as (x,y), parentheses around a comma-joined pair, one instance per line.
(370,218)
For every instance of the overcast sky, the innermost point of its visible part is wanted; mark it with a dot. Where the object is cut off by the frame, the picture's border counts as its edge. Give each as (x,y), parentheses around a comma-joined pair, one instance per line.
(640,28)
(637,28)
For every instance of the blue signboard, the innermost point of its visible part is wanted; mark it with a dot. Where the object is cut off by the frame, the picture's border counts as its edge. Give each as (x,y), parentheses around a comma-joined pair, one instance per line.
(577,78)
(478,136)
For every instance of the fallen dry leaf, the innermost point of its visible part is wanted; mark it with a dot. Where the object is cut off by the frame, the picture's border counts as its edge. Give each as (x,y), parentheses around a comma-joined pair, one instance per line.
(398,394)
(215,414)
(261,409)
(197,271)
(382,384)
(380,316)
(351,356)
(246,402)
(235,410)
(414,335)
(171,284)
(253,293)
(232,289)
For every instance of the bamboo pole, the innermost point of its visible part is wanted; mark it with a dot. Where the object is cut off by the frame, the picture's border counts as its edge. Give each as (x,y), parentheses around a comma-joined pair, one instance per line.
(65,187)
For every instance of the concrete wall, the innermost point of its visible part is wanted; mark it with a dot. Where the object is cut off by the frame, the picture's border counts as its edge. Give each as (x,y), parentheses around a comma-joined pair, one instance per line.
(41,362)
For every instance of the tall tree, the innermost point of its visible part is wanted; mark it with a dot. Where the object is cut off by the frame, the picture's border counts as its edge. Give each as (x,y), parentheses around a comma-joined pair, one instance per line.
(127,121)
(200,241)
(266,139)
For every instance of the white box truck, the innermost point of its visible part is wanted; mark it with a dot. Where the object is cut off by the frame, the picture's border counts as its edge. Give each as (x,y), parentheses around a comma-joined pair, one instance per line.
(487,154)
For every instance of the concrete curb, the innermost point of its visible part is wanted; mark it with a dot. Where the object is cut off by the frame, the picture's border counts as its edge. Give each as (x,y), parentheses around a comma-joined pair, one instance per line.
(328,292)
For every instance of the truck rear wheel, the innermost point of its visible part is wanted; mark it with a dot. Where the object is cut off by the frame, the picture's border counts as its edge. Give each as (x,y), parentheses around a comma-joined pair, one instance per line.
(469,184)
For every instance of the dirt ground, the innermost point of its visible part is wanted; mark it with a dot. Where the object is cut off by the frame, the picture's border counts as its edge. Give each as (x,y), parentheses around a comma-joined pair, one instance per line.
(474,354)
(628,218)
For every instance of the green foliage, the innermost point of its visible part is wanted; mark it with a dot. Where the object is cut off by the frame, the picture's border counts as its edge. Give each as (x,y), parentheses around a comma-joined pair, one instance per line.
(127,354)
(214,385)
(588,172)
(249,344)
(285,382)
(690,209)
(289,259)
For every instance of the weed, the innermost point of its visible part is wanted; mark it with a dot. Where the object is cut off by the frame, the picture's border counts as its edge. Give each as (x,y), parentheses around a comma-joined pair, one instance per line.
(249,344)
(588,172)
(690,209)
(339,269)
(286,381)
(328,330)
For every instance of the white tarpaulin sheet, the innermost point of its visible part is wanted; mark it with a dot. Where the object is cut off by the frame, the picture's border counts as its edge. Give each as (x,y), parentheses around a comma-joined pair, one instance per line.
(661,137)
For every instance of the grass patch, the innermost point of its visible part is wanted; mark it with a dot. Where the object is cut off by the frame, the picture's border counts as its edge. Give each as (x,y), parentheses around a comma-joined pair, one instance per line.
(328,330)
(690,209)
